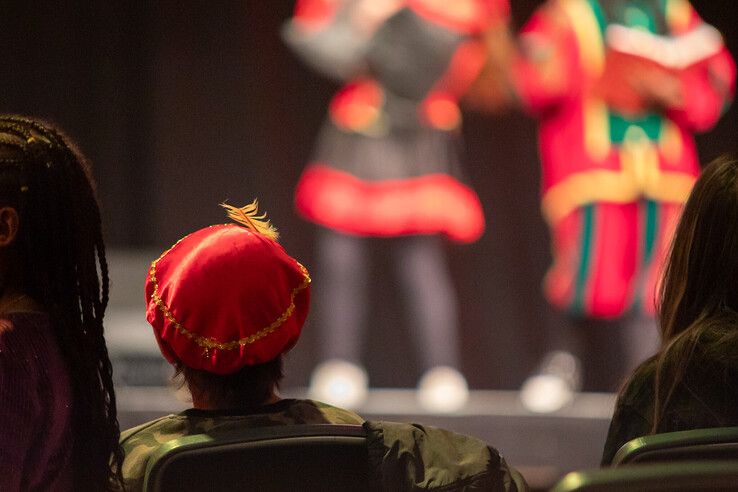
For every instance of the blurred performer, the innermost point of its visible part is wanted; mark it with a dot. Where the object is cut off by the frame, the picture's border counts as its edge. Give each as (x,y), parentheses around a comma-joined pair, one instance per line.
(619,86)
(387,165)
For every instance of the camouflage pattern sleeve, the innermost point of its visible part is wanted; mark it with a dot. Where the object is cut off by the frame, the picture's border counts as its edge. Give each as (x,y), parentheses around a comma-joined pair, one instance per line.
(140,442)
(335,415)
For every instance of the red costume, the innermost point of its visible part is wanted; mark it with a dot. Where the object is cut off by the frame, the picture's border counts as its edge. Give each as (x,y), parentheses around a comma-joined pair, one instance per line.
(387,163)
(387,160)
(618,155)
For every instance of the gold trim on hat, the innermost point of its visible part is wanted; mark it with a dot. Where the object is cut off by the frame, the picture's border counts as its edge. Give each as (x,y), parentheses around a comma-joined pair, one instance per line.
(209,343)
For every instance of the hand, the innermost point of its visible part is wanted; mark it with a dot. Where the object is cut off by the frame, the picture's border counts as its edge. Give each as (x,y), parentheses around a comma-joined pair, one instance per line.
(368,15)
(493,90)
(659,87)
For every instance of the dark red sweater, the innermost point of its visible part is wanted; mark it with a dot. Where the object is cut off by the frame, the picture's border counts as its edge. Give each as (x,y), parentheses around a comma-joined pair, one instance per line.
(35,407)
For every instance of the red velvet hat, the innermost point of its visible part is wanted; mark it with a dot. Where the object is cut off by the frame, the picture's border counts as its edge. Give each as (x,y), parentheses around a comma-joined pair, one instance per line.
(227,296)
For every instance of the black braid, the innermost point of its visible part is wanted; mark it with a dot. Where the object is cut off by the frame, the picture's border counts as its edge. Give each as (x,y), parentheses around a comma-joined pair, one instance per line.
(64,267)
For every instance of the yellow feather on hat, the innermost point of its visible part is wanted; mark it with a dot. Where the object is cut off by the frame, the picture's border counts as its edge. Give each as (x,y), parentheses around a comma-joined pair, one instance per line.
(247,217)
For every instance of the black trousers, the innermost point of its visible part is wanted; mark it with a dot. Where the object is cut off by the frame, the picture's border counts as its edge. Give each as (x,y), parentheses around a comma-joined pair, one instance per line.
(343,291)
(609,350)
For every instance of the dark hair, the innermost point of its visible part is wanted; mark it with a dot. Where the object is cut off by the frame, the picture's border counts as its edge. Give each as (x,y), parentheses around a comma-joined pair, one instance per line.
(61,264)
(246,389)
(698,298)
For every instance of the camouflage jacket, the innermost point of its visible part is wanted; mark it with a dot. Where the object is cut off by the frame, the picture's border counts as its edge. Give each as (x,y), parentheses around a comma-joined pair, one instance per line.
(405,456)
(140,442)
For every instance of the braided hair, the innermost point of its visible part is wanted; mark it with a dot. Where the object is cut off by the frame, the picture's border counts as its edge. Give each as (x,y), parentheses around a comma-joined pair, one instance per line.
(61,264)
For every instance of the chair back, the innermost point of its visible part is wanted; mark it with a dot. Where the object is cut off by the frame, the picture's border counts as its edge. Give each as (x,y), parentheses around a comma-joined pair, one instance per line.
(279,458)
(692,476)
(719,443)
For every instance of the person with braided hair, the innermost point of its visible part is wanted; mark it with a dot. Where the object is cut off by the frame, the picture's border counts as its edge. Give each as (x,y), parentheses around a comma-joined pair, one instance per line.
(59,426)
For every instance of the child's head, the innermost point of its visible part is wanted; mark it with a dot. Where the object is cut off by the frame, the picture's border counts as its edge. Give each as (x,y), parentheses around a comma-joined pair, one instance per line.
(225,303)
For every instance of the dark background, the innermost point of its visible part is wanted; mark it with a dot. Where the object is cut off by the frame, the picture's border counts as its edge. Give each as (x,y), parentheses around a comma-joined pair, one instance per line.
(181,105)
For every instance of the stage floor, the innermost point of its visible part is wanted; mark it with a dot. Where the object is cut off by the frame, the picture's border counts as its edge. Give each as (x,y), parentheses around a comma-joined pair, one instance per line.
(542,447)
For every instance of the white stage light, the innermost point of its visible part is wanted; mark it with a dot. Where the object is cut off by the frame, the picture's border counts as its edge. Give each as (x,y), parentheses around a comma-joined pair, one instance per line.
(443,390)
(554,386)
(546,393)
(339,383)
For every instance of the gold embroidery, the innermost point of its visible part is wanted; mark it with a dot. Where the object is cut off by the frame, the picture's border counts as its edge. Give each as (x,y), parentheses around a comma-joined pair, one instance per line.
(639,156)
(615,187)
(670,142)
(209,343)
(587,31)
(596,128)
(678,15)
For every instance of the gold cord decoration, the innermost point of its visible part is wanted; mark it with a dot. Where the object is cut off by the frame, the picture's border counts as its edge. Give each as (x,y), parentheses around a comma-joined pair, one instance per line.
(209,343)
(247,217)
